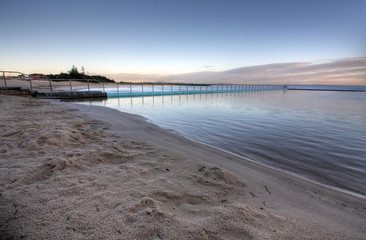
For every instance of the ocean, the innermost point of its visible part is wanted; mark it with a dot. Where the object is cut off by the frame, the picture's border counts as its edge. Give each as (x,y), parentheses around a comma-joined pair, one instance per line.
(319,135)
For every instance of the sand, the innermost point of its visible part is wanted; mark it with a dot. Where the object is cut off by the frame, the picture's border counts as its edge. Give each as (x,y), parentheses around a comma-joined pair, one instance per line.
(81,172)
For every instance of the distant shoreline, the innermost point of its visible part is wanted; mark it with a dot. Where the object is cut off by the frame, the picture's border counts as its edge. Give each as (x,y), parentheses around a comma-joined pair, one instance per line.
(327,88)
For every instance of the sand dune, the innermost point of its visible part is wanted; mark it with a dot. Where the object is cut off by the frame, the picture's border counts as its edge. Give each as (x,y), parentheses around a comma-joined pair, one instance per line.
(79,172)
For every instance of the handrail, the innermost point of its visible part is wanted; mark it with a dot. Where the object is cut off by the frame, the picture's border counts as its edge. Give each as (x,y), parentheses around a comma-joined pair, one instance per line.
(136,89)
(76,80)
(3,75)
(158,89)
(6,76)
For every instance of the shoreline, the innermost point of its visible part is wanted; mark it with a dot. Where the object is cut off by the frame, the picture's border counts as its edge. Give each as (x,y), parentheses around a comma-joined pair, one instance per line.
(165,180)
(234,167)
(354,191)
(301,178)
(176,135)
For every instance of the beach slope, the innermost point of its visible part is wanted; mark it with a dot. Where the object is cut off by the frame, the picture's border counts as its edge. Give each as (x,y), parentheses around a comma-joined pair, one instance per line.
(80,172)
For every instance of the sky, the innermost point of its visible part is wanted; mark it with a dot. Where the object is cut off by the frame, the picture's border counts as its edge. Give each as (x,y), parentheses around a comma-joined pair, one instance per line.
(345,71)
(175,37)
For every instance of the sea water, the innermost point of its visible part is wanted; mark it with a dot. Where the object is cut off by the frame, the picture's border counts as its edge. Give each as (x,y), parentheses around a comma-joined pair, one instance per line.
(315,134)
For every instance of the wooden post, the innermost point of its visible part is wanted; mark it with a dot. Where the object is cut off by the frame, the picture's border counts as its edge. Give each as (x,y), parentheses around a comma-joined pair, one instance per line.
(142,85)
(70,86)
(88,86)
(103,86)
(117,88)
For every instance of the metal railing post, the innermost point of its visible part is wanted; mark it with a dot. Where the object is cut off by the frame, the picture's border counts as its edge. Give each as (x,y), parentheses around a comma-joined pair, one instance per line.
(70,86)
(117,88)
(50,85)
(5,80)
(88,86)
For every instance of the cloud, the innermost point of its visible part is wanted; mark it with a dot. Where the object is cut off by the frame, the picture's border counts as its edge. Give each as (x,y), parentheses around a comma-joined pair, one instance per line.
(209,66)
(349,71)
(346,71)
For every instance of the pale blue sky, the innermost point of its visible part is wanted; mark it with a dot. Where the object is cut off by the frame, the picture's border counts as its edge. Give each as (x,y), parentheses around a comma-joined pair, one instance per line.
(167,36)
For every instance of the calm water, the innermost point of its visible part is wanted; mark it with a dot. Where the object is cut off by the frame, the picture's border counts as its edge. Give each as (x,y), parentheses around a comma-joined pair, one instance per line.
(319,135)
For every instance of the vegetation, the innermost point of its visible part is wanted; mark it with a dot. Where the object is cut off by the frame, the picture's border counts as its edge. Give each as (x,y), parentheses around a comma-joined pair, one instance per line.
(75,74)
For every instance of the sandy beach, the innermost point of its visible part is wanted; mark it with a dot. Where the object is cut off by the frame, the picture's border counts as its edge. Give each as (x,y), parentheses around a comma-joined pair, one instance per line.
(72,171)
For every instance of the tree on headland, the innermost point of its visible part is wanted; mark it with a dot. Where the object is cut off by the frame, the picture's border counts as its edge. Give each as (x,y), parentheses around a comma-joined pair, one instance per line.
(75,74)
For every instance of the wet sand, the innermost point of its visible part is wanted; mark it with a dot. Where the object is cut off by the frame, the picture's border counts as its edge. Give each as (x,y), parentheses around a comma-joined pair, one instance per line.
(83,172)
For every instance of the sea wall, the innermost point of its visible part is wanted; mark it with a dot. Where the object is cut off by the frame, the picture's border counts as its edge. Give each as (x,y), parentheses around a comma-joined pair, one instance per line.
(52,95)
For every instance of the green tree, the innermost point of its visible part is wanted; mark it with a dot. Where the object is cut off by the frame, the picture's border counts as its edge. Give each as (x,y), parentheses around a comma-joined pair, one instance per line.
(74,72)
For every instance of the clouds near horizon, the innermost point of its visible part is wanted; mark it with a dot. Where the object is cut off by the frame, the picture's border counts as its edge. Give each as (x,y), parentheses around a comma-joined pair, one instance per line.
(345,71)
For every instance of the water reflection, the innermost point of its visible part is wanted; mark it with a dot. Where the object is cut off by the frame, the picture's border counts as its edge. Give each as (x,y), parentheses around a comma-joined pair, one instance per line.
(123,103)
